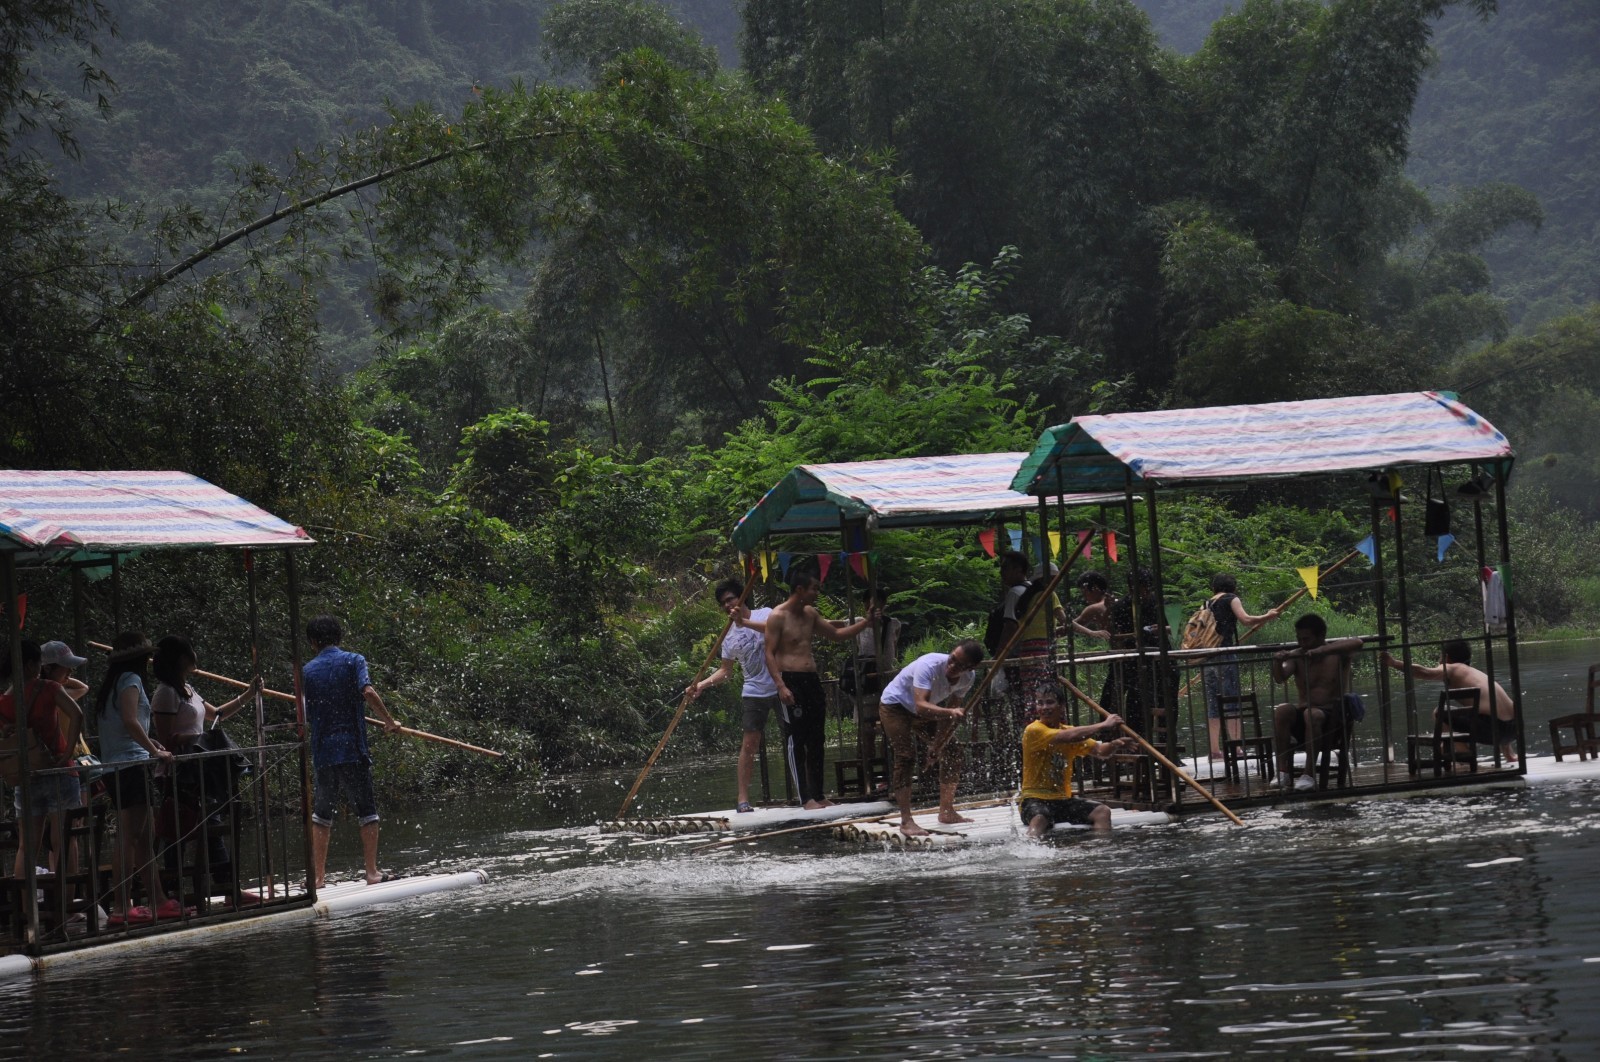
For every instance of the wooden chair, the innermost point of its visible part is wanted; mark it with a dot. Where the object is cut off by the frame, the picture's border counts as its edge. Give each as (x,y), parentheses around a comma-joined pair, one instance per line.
(1452,742)
(1253,746)
(1583,725)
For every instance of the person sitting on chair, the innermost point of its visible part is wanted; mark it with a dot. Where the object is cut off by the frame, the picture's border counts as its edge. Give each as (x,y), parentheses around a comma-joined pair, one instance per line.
(1494,723)
(1321,673)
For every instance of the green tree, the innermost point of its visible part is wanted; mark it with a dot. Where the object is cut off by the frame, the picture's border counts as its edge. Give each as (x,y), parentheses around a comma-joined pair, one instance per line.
(587,35)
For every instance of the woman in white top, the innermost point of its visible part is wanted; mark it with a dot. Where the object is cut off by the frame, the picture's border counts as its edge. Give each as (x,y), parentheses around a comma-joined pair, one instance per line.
(180,713)
(181,716)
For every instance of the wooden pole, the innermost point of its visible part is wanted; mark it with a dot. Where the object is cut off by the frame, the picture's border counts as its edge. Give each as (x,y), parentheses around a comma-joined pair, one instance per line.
(1168,764)
(439,740)
(289,697)
(749,584)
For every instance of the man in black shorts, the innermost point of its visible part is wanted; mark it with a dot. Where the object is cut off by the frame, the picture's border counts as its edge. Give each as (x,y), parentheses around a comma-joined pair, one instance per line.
(791,627)
(1048,749)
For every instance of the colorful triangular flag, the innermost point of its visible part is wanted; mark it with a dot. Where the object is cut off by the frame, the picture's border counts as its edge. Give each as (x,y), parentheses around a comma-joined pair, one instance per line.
(1445,542)
(1055,543)
(1086,539)
(824,562)
(1016,540)
(1308,575)
(858,564)
(986,539)
(783,564)
(1111,546)
(1368,548)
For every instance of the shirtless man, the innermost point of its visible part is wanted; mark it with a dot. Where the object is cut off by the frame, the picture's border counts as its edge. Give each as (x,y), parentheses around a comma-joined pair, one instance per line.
(1321,671)
(791,627)
(924,700)
(1095,619)
(1495,721)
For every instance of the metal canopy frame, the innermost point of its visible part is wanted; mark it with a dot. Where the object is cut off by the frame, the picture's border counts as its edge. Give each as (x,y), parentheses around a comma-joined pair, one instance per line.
(1369,436)
(81,521)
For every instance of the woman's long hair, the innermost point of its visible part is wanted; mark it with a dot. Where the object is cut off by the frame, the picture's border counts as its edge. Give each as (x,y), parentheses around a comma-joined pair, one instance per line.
(134,664)
(173,654)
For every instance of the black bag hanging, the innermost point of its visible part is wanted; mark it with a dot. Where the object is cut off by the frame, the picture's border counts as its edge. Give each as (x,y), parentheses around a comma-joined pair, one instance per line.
(1436,511)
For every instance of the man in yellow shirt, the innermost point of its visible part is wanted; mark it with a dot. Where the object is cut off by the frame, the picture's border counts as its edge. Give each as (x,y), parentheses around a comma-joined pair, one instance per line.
(1048,749)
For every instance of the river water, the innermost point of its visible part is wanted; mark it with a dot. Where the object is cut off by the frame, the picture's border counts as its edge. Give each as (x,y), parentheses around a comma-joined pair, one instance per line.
(1435,927)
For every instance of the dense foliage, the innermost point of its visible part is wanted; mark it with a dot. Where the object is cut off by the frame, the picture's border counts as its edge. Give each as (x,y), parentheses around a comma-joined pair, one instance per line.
(519,352)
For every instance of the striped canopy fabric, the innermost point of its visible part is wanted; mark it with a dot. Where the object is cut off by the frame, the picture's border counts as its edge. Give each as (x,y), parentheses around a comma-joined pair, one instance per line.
(1220,444)
(899,492)
(58,514)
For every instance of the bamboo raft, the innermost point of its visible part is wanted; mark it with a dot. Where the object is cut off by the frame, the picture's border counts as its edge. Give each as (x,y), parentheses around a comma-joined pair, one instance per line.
(990,825)
(731,821)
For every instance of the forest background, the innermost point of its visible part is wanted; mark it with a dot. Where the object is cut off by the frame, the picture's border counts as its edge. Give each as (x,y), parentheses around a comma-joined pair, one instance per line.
(516,306)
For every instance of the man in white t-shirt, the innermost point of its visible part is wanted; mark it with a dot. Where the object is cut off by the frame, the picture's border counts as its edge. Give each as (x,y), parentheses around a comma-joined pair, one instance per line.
(747,647)
(924,700)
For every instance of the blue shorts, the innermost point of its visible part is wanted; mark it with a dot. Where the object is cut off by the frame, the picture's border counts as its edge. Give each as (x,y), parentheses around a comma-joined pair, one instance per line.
(51,793)
(352,782)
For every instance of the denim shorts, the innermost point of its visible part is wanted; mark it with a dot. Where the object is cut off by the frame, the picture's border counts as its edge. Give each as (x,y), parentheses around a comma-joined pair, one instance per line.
(52,792)
(352,782)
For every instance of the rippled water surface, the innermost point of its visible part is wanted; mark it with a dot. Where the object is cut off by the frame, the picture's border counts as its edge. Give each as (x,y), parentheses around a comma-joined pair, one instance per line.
(1441,927)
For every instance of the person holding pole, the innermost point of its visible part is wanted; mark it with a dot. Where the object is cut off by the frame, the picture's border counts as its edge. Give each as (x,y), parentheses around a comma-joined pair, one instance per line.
(745,645)
(791,627)
(1048,752)
(924,700)
(338,695)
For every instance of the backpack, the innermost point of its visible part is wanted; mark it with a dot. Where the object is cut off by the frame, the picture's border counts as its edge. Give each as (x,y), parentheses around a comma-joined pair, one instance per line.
(1201,630)
(1035,587)
(994,629)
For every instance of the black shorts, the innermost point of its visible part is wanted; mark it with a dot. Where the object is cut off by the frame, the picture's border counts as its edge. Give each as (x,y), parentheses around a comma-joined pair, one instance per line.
(129,787)
(1074,810)
(1332,719)
(352,781)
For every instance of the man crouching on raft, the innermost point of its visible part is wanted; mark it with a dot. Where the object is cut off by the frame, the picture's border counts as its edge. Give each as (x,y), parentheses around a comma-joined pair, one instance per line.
(924,700)
(1048,751)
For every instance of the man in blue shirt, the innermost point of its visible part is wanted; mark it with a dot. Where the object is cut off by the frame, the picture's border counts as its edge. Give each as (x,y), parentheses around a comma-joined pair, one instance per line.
(338,695)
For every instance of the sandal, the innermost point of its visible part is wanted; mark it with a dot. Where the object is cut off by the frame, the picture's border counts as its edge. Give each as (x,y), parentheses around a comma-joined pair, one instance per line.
(744,805)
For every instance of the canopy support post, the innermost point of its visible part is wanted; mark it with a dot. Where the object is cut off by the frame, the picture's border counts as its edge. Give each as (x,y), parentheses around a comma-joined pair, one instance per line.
(292,581)
(28,842)
(1380,597)
(1502,472)
(1158,677)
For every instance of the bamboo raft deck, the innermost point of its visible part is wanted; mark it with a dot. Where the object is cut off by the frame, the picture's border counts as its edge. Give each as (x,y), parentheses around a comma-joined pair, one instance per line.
(1377,780)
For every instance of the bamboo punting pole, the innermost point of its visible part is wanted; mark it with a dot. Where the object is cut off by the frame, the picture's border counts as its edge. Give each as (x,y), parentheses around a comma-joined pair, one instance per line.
(422,735)
(1168,764)
(1290,600)
(749,584)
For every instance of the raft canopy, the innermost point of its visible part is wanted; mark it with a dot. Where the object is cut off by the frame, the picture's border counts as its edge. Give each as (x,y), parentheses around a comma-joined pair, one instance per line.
(1223,444)
(958,489)
(69,516)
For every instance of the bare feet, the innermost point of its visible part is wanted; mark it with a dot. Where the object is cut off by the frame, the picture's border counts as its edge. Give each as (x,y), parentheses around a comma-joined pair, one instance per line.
(911,829)
(814,805)
(950,818)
